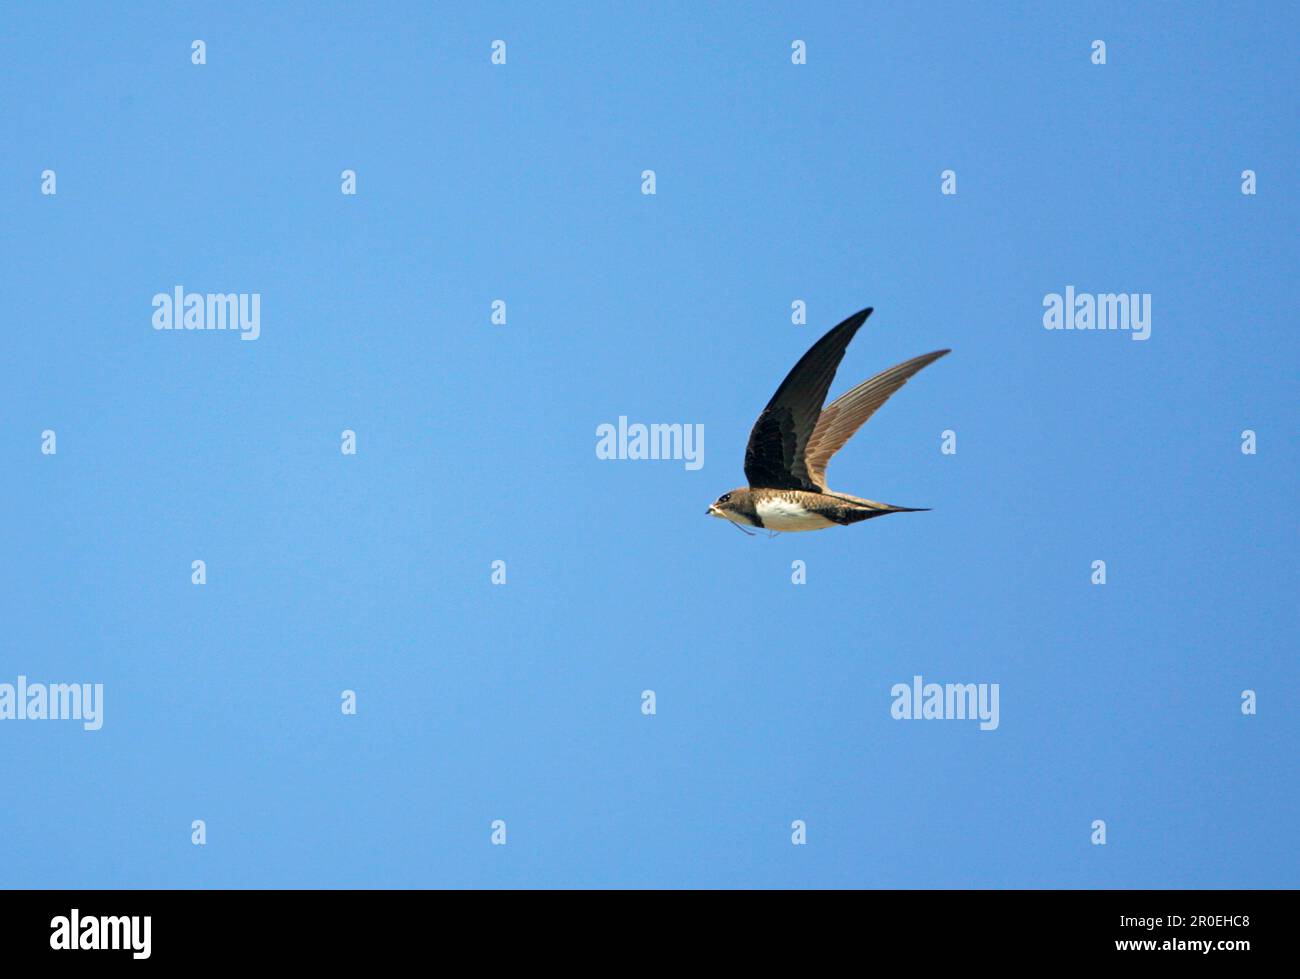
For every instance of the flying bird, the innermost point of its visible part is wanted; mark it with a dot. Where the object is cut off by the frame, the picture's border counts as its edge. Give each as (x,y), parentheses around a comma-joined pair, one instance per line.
(794,438)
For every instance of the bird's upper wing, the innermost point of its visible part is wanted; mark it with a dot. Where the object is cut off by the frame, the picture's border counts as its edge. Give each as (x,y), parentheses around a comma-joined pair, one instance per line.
(774,458)
(845,415)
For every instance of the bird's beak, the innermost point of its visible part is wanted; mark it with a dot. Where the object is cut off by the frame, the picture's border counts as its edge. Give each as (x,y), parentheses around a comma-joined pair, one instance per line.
(710,511)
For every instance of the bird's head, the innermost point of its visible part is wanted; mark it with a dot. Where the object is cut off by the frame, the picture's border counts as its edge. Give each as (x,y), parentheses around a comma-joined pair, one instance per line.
(730,506)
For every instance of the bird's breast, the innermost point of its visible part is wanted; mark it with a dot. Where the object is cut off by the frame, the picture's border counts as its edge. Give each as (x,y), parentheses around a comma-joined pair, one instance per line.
(781,513)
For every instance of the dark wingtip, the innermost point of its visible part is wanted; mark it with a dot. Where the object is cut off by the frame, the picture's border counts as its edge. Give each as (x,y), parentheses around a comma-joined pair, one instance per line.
(932,356)
(856,320)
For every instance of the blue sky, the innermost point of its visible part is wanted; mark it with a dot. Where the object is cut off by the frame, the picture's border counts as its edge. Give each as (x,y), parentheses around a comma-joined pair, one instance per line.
(476,443)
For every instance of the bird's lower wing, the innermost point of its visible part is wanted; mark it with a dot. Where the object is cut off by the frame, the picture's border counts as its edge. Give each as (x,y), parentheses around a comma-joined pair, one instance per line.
(774,457)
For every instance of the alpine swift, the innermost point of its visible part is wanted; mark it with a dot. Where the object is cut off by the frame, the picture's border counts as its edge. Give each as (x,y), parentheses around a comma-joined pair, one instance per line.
(794,438)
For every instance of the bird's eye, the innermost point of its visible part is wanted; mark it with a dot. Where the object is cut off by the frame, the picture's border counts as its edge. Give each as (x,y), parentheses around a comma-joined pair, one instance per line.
(724,497)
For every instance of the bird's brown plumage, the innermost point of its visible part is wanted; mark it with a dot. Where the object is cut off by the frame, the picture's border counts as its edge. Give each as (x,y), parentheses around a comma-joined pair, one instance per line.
(794,437)
(847,413)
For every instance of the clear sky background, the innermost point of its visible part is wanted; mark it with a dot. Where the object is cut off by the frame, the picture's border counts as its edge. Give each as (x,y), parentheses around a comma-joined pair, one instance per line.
(476,443)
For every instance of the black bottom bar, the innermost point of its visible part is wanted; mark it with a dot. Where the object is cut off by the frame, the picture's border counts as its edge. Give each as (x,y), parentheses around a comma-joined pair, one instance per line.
(183,928)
